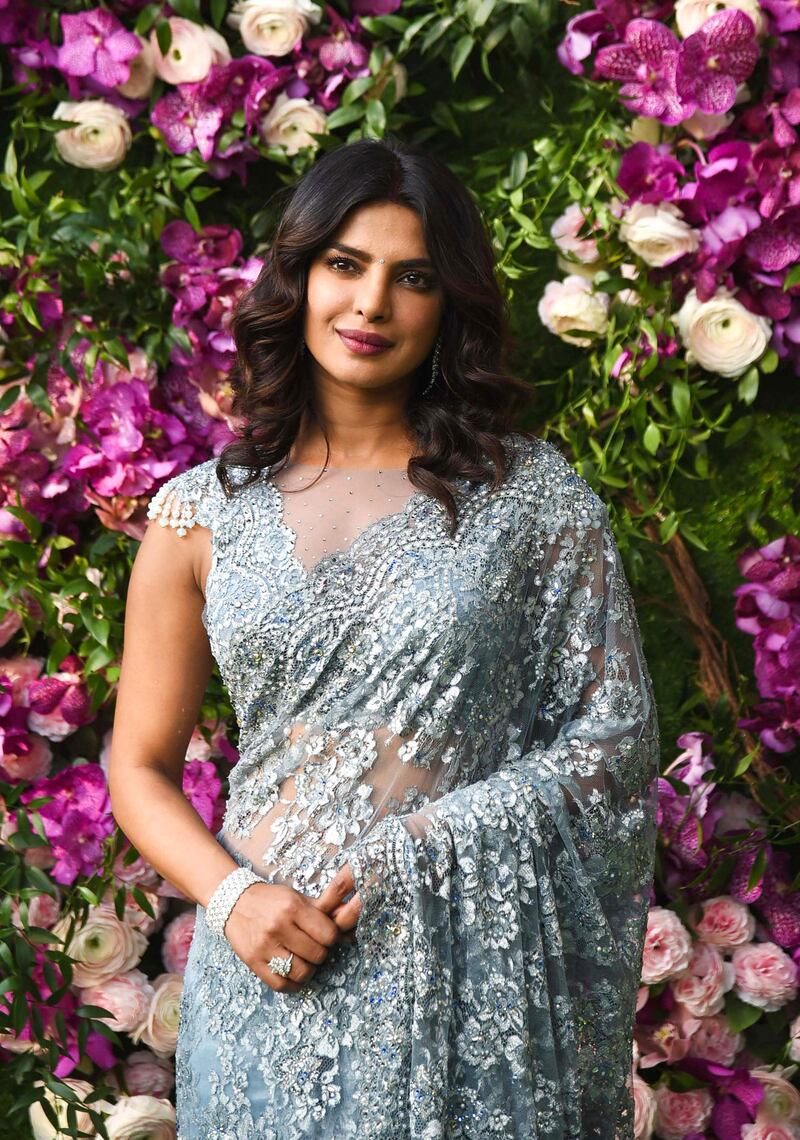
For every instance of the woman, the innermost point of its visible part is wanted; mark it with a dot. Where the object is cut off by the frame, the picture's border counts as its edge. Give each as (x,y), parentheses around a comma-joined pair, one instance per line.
(423,915)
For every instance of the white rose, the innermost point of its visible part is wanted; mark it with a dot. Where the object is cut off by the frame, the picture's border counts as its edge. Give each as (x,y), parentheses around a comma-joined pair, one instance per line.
(692,14)
(42,1128)
(143,73)
(273,27)
(140,1117)
(102,139)
(720,334)
(289,121)
(571,304)
(192,52)
(102,948)
(659,234)
(159,1031)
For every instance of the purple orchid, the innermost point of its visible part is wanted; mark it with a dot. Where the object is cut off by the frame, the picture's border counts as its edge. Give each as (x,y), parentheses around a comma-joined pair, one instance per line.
(77,819)
(650,174)
(96,44)
(776,722)
(202,786)
(721,179)
(718,56)
(14,739)
(782,111)
(646,65)
(786,336)
(777,177)
(187,121)
(784,13)
(585,33)
(213,248)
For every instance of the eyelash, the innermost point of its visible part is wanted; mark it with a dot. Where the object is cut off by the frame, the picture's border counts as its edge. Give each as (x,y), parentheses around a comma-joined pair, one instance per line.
(425,283)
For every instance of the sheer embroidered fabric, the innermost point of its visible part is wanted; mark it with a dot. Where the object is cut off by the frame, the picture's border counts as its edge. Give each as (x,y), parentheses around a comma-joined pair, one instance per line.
(469,722)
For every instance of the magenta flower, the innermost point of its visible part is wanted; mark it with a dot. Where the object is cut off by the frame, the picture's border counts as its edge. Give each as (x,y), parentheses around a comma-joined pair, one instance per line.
(646,66)
(187,121)
(776,722)
(718,56)
(96,44)
(202,787)
(777,177)
(14,739)
(77,820)
(584,34)
(213,248)
(649,174)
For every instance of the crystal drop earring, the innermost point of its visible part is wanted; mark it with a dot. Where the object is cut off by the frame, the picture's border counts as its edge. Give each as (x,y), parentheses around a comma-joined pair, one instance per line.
(435,369)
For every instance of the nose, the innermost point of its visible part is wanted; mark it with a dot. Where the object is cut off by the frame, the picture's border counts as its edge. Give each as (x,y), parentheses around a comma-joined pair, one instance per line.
(372,295)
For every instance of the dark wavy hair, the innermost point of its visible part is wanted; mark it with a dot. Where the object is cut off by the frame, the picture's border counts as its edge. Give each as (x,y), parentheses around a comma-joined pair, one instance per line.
(460,425)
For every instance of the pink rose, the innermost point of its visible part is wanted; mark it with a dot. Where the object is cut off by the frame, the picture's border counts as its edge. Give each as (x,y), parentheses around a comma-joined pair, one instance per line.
(781,1099)
(680,1113)
(765,976)
(644,1109)
(794,1044)
(43,910)
(177,942)
(565,230)
(149,1075)
(193,51)
(36,764)
(139,873)
(20,672)
(709,977)
(765,1129)
(159,1030)
(127,997)
(667,947)
(724,922)
(715,1041)
(569,307)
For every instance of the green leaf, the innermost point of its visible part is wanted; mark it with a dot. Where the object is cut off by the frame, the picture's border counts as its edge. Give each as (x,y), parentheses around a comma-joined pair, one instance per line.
(740,1014)
(163,36)
(652,438)
(460,55)
(748,386)
(218,9)
(769,361)
(343,116)
(681,400)
(376,116)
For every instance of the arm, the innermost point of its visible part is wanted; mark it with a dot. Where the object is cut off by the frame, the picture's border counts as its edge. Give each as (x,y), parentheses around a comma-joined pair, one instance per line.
(166,666)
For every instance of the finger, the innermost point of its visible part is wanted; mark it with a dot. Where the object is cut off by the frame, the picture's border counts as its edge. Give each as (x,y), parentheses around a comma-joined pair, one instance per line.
(316,924)
(340,885)
(296,976)
(308,948)
(348,914)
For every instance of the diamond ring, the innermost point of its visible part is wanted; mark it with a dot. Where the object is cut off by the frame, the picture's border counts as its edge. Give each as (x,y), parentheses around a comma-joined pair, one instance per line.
(281,966)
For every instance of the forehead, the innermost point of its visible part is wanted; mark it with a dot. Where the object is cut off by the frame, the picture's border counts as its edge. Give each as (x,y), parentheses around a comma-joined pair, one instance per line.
(384,228)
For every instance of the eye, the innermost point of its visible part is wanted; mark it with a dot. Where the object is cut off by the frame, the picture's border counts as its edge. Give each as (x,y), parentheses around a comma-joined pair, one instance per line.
(423,280)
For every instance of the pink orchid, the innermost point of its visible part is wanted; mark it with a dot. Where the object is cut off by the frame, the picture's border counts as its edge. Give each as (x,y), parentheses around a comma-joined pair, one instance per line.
(96,44)
(719,55)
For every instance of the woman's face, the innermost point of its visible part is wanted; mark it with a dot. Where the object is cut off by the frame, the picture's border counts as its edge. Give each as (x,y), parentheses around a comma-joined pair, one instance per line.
(362,282)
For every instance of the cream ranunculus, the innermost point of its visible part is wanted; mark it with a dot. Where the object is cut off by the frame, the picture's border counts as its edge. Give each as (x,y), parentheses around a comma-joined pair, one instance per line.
(273,27)
(102,948)
(102,139)
(42,1128)
(690,15)
(192,52)
(571,304)
(136,1117)
(159,1031)
(659,234)
(720,334)
(289,121)
(143,73)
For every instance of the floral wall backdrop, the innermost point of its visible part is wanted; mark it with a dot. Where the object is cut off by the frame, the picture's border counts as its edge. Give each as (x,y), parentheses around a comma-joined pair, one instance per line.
(639,170)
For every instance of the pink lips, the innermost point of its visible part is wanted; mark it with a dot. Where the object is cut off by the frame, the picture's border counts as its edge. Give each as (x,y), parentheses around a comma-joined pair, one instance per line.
(365,344)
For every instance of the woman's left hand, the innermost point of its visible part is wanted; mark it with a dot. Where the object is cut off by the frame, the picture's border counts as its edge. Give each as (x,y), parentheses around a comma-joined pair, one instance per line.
(344,914)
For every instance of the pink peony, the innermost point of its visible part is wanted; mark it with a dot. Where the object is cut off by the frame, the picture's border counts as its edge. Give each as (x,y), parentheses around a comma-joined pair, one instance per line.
(715,1041)
(724,922)
(794,1039)
(43,910)
(702,988)
(127,997)
(667,947)
(644,1109)
(177,942)
(680,1113)
(148,1075)
(30,765)
(766,1129)
(765,976)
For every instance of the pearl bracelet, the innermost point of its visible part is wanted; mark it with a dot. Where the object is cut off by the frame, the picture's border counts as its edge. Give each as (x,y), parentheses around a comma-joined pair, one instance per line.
(226,895)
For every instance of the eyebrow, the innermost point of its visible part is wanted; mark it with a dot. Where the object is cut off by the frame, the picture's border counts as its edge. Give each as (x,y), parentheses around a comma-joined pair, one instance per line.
(408,263)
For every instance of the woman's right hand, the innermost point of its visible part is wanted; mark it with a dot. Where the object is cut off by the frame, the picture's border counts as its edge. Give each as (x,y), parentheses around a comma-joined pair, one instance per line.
(270,919)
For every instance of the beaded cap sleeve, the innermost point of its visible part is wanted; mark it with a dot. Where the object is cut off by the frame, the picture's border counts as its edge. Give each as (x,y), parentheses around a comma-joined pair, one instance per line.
(467,720)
